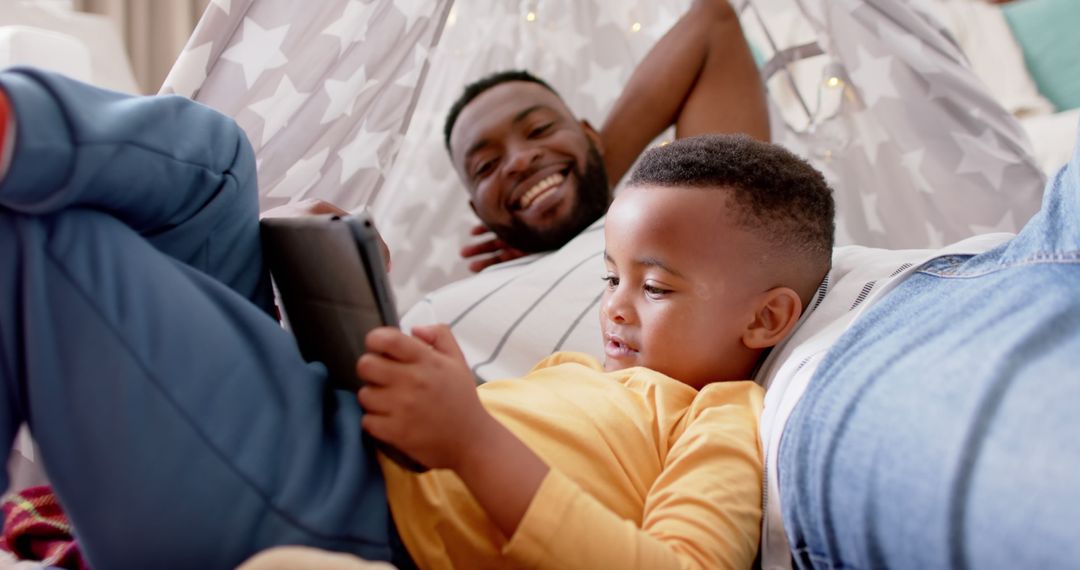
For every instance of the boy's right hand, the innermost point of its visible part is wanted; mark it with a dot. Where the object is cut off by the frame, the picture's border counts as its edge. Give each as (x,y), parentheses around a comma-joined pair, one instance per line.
(419,395)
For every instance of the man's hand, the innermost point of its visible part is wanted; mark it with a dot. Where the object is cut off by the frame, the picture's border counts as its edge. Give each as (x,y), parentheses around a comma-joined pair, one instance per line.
(420,397)
(315,207)
(490,245)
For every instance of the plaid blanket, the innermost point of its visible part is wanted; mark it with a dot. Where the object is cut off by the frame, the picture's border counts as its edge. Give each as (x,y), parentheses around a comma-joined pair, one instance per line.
(36,528)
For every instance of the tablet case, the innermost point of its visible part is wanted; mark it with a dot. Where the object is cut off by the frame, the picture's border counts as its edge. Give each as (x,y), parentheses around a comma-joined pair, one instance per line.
(331,277)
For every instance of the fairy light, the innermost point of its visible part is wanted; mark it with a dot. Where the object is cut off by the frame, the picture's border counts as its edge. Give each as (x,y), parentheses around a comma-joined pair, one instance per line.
(530,17)
(635,27)
(834,82)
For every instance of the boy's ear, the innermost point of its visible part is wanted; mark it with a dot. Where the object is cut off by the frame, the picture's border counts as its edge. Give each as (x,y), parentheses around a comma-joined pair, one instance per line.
(593,135)
(777,312)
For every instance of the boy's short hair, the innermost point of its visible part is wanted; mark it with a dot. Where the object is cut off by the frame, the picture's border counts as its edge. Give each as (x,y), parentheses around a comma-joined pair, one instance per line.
(474,89)
(773,193)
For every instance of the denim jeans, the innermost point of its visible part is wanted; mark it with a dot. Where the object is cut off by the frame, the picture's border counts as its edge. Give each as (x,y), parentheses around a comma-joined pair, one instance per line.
(941,431)
(177,421)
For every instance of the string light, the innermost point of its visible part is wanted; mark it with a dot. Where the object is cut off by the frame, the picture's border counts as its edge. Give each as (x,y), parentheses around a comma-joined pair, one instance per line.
(834,82)
(530,17)
(636,27)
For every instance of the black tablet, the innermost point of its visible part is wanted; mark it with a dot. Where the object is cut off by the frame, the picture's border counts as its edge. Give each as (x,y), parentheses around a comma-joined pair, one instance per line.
(332,282)
(331,278)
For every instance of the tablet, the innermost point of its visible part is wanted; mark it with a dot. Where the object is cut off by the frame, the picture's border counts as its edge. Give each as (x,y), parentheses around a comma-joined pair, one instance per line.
(331,278)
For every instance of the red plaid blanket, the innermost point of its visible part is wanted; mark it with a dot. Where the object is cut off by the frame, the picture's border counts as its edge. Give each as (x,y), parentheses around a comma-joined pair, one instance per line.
(35,528)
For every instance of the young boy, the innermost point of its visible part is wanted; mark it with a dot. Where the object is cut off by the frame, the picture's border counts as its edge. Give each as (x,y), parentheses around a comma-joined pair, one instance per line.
(136,342)
(649,460)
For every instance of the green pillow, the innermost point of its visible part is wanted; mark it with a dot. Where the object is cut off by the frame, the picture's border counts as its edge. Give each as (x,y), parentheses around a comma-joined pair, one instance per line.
(1048,32)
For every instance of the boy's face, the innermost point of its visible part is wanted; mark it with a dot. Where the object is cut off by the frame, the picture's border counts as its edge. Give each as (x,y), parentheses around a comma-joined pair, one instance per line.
(534,176)
(683,283)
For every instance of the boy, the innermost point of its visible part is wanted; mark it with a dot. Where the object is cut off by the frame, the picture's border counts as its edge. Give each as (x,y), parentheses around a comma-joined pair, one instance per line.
(712,251)
(136,342)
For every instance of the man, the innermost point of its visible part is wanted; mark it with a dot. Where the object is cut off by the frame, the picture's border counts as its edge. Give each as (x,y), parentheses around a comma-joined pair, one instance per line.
(537,176)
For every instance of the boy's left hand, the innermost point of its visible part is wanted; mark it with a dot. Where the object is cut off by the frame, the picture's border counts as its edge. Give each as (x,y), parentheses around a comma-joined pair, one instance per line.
(419,395)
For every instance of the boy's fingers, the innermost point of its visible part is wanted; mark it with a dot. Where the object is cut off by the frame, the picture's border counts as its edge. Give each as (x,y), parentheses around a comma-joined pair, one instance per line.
(440,338)
(377,426)
(394,344)
(374,400)
(445,343)
(377,370)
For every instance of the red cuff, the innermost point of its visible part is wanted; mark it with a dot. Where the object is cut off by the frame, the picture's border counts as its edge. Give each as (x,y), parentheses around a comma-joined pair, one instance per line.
(5,110)
(5,130)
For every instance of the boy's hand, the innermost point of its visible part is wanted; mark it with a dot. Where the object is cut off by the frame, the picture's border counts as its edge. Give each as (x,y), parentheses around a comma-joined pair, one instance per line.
(419,395)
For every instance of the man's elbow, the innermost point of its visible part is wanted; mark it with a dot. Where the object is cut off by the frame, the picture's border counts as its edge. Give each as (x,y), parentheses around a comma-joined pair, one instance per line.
(720,10)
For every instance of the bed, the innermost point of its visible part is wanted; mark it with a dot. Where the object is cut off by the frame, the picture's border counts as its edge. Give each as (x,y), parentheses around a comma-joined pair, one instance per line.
(344,101)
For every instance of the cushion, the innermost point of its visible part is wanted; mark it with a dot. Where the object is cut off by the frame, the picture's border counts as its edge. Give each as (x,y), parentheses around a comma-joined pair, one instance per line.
(1047,33)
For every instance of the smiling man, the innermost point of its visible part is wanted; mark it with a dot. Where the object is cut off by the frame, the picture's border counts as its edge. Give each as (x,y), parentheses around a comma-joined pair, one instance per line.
(537,175)
(534,172)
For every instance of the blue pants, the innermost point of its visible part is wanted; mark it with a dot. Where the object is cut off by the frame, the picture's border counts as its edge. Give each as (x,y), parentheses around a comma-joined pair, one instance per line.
(177,421)
(942,430)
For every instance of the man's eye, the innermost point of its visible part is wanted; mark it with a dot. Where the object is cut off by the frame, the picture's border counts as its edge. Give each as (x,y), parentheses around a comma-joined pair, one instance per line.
(540,130)
(611,280)
(483,169)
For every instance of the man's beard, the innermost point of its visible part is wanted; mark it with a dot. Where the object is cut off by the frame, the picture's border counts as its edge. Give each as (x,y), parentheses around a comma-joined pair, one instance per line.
(593,198)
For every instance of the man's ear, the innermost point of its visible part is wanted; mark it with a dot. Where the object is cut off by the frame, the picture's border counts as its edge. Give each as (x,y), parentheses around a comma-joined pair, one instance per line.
(778,310)
(593,135)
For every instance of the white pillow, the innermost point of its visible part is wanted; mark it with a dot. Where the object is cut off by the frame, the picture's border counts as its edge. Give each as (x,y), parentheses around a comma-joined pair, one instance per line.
(62,53)
(987,41)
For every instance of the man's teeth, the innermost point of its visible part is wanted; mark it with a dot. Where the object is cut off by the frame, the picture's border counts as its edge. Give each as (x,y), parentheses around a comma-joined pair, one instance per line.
(539,188)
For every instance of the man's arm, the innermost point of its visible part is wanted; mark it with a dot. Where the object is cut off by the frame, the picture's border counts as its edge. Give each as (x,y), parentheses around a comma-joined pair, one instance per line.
(700,76)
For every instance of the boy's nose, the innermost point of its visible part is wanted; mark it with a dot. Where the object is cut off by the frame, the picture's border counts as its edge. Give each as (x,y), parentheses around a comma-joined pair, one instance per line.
(616,308)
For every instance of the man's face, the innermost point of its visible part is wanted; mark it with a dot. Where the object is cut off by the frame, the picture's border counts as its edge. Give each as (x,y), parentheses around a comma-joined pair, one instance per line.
(683,282)
(533,173)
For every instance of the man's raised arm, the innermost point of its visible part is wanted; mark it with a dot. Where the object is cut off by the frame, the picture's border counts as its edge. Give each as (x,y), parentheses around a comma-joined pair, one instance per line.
(700,76)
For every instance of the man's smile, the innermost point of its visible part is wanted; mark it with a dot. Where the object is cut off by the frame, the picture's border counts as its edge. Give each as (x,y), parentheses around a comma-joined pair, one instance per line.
(539,192)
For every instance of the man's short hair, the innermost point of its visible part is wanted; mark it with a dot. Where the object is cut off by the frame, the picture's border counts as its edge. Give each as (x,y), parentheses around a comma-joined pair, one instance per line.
(474,89)
(773,193)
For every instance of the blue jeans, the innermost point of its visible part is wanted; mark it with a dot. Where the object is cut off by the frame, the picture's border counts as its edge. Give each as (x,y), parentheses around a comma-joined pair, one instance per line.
(177,421)
(942,429)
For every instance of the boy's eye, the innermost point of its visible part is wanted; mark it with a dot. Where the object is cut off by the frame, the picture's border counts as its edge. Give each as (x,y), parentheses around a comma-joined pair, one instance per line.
(611,280)
(654,291)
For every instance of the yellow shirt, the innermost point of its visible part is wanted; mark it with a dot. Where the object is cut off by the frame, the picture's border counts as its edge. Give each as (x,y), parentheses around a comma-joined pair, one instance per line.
(645,472)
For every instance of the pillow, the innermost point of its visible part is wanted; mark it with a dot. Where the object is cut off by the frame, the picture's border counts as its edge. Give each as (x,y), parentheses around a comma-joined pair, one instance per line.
(994,55)
(1047,33)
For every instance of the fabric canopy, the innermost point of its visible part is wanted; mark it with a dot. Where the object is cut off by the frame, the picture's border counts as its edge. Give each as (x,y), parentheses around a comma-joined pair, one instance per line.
(344,100)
